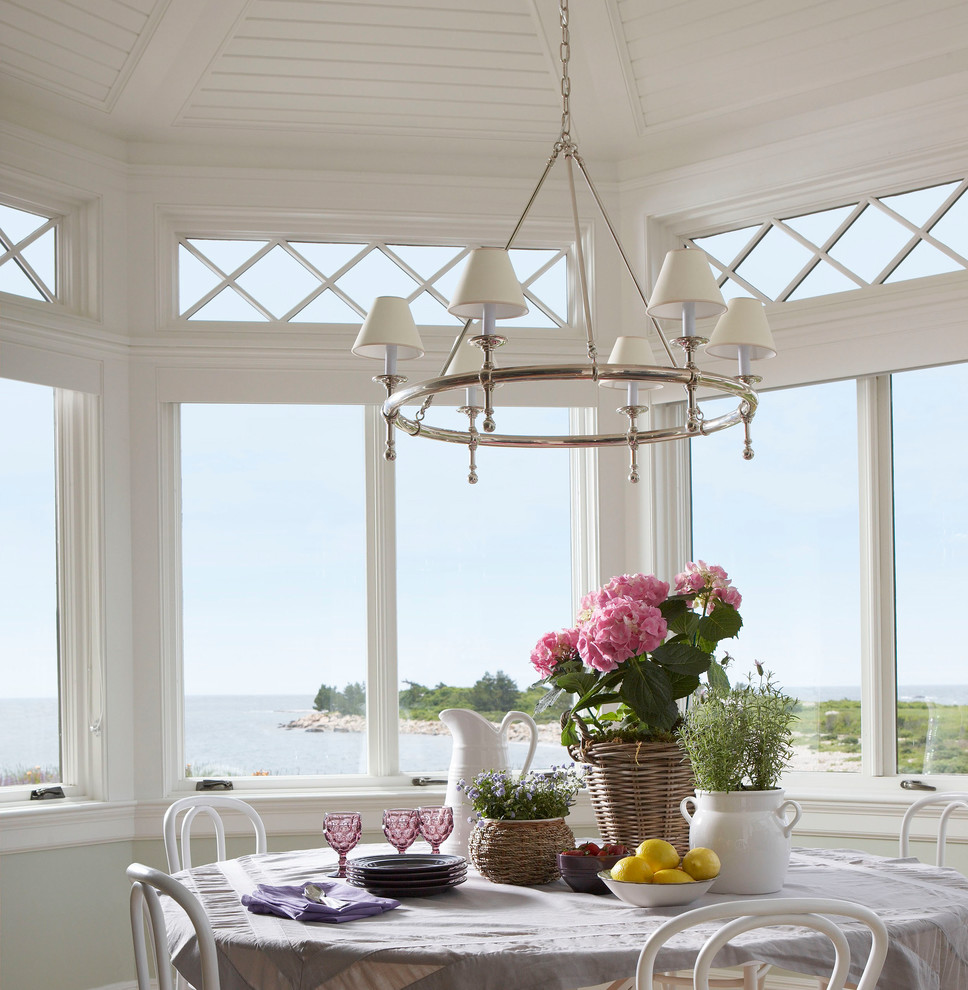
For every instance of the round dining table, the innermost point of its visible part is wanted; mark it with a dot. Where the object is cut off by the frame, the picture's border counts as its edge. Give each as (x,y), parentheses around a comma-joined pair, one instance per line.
(490,936)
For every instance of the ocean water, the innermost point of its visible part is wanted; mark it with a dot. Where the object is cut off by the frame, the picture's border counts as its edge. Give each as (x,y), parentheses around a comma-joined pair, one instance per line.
(244,734)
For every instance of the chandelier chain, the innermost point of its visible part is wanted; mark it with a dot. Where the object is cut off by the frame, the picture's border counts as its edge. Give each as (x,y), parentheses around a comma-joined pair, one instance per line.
(565,56)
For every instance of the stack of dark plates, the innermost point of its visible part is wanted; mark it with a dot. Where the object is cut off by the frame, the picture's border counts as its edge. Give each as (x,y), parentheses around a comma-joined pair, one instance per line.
(409,875)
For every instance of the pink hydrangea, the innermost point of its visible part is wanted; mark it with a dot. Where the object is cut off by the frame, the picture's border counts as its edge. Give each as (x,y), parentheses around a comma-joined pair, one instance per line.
(709,582)
(617,630)
(552,648)
(645,588)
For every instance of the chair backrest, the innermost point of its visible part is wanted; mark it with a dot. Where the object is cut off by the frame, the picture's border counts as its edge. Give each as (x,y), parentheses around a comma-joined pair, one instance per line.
(180,852)
(952,800)
(800,912)
(147,916)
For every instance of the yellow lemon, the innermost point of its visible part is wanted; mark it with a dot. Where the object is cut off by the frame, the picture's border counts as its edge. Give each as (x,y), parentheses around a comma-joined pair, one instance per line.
(632,869)
(701,863)
(659,854)
(671,876)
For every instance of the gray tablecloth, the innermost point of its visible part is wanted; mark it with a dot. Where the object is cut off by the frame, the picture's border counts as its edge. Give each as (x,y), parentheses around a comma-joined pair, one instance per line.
(495,937)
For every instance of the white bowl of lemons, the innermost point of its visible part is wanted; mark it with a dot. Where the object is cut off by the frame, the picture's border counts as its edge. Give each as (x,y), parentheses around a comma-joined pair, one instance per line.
(656,877)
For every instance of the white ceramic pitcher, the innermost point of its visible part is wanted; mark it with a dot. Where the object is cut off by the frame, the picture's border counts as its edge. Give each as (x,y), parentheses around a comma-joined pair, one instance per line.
(749,831)
(478,745)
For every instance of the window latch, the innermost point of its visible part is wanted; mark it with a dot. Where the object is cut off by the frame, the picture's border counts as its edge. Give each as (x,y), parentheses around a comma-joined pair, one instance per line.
(917,785)
(425,781)
(214,785)
(47,793)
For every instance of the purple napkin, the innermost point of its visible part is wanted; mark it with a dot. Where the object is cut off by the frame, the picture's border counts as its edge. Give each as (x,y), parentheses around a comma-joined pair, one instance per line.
(344,902)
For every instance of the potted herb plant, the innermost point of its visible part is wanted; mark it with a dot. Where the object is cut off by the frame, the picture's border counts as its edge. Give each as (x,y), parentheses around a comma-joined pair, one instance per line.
(636,650)
(738,740)
(521,823)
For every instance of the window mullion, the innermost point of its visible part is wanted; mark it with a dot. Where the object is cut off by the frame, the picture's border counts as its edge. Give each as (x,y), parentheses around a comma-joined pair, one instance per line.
(878,678)
(382,720)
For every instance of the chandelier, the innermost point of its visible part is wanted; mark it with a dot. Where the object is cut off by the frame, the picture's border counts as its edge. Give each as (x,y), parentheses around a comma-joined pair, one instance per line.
(488,291)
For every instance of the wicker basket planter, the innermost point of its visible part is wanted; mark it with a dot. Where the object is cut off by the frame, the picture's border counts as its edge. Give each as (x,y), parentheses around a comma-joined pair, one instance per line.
(524,853)
(636,789)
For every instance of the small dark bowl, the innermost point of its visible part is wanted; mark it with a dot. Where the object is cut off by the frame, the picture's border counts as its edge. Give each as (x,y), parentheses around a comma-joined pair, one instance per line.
(581,872)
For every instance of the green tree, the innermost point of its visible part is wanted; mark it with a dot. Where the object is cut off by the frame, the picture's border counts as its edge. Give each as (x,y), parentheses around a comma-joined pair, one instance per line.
(324,698)
(495,693)
(353,700)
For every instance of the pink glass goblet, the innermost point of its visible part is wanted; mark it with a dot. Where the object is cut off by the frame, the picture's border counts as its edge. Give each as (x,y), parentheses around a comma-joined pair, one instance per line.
(435,825)
(342,830)
(400,826)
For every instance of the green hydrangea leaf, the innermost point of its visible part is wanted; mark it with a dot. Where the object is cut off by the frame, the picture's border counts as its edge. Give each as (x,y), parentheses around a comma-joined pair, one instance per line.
(682,658)
(724,622)
(717,677)
(646,691)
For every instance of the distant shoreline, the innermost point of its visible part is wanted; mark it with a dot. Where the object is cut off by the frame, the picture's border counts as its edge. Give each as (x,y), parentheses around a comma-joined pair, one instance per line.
(548,732)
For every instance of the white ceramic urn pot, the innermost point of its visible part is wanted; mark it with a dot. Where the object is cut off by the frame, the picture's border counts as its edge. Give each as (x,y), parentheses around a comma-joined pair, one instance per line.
(749,831)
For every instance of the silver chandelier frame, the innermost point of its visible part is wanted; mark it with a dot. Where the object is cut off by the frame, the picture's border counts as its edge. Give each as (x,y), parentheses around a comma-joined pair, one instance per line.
(490,377)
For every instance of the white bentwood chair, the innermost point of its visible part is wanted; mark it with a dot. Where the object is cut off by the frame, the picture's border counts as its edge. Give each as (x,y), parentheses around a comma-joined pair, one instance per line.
(952,800)
(179,853)
(800,912)
(147,917)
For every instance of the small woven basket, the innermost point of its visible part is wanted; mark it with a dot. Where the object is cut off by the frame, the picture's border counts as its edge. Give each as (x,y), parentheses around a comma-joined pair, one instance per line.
(636,789)
(524,853)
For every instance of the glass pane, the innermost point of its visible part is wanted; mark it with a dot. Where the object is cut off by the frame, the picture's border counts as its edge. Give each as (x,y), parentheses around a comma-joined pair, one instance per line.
(952,228)
(376,275)
(870,243)
(40,256)
(930,553)
(194,279)
(526,261)
(483,571)
(273,552)
(229,307)
(328,258)
(14,280)
(278,281)
(425,259)
(918,206)
(428,312)
(925,259)
(18,224)
(327,307)
(823,280)
(552,289)
(818,228)
(29,710)
(785,529)
(727,246)
(227,255)
(774,262)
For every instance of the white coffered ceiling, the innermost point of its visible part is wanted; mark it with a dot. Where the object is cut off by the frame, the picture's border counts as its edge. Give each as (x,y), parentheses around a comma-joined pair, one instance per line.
(365,83)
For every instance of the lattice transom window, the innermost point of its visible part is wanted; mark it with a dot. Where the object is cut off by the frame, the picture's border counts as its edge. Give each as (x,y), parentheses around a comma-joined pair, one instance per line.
(28,254)
(874,241)
(281,280)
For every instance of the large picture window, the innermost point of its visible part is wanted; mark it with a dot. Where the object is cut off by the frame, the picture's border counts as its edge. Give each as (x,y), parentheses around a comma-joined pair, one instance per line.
(273,558)
(30,714)
(785,527)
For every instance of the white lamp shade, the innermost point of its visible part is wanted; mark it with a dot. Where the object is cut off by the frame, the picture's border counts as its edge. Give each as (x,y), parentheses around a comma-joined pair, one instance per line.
(743,324)
(685,276)
(468,359)
(631,351)
(389,323)
(488,277)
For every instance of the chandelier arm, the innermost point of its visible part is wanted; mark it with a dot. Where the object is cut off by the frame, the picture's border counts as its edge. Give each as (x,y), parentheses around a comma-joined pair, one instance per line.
(458,340)
(534,195)
(582,272)
(625,260)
